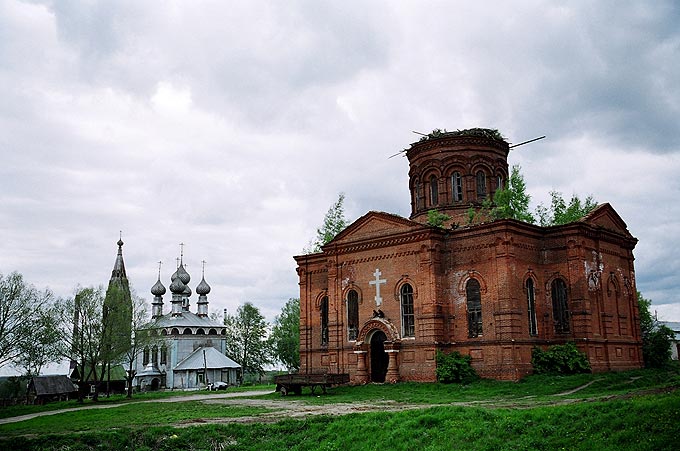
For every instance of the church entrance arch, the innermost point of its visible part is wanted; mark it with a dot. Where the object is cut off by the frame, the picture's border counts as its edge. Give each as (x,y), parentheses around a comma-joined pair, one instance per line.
(377,356)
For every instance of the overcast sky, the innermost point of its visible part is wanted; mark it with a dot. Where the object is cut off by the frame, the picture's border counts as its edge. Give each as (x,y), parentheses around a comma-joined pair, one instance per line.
(233,126)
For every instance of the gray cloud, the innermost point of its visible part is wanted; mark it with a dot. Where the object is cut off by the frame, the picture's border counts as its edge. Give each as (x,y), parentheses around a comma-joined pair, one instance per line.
(233,127)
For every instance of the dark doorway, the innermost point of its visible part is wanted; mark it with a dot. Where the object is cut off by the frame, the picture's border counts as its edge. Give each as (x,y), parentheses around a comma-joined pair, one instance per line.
(155,384)
(379,358)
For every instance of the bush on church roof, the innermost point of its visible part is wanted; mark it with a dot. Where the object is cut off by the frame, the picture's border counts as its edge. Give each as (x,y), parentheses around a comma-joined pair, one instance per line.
(490,133)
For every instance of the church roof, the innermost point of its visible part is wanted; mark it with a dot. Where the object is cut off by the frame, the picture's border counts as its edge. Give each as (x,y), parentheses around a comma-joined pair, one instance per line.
(185,319)
(119,266)
(206,357)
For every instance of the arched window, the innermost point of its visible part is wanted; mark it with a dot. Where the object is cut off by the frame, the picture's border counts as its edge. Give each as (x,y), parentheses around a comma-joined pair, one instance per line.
(212,332)
(474,308)
(531,307)
(154,355)
(499,182)
(434,191)
(408,326)
(175,331)
(456,187)
(481,185)
(200,331)
(145,356)
(324,320)
(352,314)
(164,355)
(560,306)
(187,331)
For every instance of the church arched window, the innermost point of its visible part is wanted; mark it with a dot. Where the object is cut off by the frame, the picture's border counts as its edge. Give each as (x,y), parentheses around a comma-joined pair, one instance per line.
(481,185)
(434,191)
(474,308)
(408,328)
(560,306)
(456,187)
(154,355)
(324,320)
(145,356)
(164,355)
(531,307)
(352,314)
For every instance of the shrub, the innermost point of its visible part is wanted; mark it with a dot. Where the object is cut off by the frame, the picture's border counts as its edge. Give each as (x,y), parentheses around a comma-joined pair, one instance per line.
(454,367)
(559,359)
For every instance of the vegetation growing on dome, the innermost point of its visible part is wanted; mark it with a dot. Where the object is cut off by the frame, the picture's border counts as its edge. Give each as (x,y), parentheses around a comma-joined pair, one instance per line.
(490,133)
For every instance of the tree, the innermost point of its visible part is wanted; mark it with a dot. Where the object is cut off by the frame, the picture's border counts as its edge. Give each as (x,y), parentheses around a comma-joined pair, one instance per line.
(42,347)
(246,337)
(27,336)
(560,213)
(140,337)
(656,338)
(81,327)
(512,202)
(285,336)
(436,218)
(334,222)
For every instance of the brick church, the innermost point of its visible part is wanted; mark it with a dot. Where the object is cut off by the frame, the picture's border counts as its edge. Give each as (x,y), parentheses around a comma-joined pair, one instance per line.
(382,297)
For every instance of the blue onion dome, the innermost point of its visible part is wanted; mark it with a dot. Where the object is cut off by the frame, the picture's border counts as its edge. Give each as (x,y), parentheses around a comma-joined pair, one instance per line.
(177,287)
(158,289)
(203,288)
(187,291)
(183,274)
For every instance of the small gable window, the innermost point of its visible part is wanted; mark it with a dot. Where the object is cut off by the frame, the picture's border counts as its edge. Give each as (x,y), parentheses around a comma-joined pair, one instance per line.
(531,307)
(560,306)
(481,185)
(407,315)
(456,187)
(352,314)
(474,308)
(324,320)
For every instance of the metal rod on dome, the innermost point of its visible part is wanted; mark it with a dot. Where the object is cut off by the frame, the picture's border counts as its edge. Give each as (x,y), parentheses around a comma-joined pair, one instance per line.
(526,142)
(160,263)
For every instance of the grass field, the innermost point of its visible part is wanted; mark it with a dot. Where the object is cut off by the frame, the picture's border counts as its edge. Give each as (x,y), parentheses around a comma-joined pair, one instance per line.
(637,410)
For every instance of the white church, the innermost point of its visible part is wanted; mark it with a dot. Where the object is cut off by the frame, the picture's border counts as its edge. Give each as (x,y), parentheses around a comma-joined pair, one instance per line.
(190,350)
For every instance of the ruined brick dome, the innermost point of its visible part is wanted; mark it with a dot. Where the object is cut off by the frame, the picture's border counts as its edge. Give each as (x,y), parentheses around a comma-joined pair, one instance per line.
(453,171)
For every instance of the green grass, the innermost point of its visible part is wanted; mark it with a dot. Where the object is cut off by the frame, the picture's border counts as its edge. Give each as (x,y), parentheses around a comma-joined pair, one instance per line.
(126,416)
(13,411)
(641,423)
(636,410)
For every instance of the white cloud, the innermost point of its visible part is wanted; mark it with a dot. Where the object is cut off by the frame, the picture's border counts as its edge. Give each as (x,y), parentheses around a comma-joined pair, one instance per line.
(233,127)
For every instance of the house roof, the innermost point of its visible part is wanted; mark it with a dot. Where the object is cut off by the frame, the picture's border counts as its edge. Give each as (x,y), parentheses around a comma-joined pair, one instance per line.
(117,373)
(213,359)
(51,385)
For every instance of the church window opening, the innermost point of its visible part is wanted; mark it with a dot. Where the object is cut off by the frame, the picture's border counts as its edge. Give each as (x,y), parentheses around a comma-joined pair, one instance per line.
(352,314)
(154,355)
(499,182)
(457,187)
(531,307)
(164,355)
(407,316)
(474,308)
(324,321)
(145,356)
(187,331)
(434,191)
(481,185)
(560,307)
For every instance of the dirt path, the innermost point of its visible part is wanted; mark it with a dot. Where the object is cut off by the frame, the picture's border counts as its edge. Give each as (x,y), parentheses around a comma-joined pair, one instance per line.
(201,397)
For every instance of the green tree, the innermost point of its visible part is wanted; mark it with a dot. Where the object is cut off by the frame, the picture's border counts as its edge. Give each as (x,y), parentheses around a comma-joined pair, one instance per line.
(43,346)
(246,337)
(656,338)
(512,202)
(81,327)
(560,212)
(140,337)
(27,337)
(285,336)
(436,218)
(334,222)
